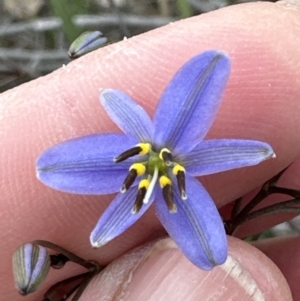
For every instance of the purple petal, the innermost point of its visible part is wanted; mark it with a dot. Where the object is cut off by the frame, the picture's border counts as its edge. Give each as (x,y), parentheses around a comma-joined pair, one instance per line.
(212,156)
(196,227)
(131,118)
(117,218)
(190,102)
(85,165)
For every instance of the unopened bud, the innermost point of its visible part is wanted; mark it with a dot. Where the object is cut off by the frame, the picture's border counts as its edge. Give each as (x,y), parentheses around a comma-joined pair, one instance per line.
(86,42)
(31,264)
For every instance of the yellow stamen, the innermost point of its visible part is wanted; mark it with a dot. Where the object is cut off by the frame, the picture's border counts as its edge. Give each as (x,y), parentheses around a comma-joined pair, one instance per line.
(164,181)
(179,172)
(144,184)
(161,153)
(146,147)
(178,168)
(169,198)
(136,169)
(139,168)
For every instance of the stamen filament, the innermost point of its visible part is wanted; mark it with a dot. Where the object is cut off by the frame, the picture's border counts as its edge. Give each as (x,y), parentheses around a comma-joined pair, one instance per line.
(151,186)
(179,172)
(169,198)
(131,176)
(181,184)
(136,169)
(140,168)
(146,147)
(139,149)
(166,186)
(139,200)
(166,156)
(128,153)
(143,187)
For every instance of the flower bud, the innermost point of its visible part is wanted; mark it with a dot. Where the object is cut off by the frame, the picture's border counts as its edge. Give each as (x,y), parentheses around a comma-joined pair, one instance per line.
(88,41)
(31,264)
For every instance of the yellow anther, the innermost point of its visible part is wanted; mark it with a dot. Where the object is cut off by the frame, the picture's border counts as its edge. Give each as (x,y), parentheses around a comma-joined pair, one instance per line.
(164,181)
(144,184)
(161,153)
(146,147)
(139,168)
(178,168)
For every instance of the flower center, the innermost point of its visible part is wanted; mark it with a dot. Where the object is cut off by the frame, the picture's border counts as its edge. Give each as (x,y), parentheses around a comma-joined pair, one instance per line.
(157,166)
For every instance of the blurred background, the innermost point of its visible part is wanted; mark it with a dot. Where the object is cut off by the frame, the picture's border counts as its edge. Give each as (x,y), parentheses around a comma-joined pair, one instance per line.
(35,34)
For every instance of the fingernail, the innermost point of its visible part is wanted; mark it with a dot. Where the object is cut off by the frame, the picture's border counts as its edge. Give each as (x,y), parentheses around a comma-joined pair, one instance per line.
(237,272)
(292,4)
(165,274)
(159,271)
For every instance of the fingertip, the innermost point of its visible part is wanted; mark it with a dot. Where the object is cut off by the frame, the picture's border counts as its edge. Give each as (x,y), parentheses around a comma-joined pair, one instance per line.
(284,251)
(159,271)
(261,102)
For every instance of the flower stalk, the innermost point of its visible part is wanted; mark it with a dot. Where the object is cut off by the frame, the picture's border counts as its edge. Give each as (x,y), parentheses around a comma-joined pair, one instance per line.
(31,264)
(238,216)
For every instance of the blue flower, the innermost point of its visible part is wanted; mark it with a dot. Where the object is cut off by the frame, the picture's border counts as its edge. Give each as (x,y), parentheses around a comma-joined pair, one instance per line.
(157,161)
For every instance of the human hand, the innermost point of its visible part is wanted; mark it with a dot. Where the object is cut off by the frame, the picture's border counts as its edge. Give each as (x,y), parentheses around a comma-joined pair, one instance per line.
(260,103)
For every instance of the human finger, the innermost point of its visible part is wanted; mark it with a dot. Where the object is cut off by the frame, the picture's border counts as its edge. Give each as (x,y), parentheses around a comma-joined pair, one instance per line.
(159,271)
(65,104)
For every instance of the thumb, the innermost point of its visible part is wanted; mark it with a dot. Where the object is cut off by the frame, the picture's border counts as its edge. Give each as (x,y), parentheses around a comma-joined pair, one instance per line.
(159,271)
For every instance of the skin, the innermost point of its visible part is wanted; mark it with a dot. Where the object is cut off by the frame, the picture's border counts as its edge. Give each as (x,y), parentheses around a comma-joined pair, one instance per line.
(261,102)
